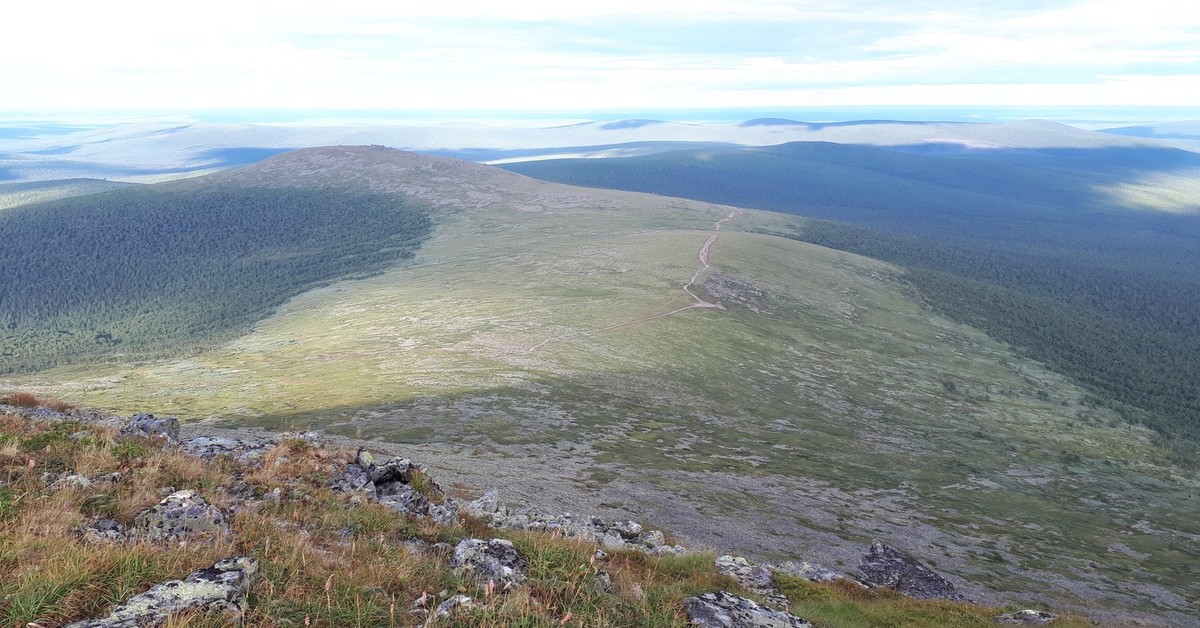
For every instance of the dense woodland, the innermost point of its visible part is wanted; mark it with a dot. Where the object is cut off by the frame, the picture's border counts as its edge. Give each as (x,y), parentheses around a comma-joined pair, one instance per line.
(151,271)
(1020,245)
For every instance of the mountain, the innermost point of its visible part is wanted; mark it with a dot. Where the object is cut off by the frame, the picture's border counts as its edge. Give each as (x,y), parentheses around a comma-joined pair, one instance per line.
(695,366)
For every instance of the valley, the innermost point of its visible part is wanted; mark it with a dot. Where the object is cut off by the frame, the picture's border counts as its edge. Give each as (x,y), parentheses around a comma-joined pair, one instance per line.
(552,340)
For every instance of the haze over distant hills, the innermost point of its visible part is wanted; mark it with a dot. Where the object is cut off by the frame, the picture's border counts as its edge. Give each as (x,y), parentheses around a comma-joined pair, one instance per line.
(129,151)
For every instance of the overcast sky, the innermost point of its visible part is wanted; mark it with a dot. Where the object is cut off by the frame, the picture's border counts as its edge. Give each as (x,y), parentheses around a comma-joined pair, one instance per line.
(616,54)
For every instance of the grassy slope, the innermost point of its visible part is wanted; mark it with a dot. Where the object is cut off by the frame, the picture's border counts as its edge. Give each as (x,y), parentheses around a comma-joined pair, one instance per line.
(325,562)
(832,403)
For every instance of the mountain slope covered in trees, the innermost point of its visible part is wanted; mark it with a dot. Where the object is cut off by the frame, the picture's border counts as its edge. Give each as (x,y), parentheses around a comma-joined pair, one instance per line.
(150,270)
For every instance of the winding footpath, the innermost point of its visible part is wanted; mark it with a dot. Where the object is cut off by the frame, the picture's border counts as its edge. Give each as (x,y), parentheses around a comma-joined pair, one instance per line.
(697,302)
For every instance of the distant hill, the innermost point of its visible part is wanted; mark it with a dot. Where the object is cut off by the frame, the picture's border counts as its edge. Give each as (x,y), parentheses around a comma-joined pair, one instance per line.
(147,270)
(132,150)
(1033,244)
(1184,134)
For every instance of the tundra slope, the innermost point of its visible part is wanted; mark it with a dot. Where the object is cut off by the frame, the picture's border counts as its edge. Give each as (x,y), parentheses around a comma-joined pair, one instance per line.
(823,406)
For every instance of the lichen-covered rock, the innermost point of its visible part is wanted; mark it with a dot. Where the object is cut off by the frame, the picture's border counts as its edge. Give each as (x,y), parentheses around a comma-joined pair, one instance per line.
(220,588)
(355,480)
(885,566)
(495,560)
(458,603)
(180,516)
(104,531)
(726,610)
(146,424)
(753,577)
(809,571)
(1027,617)
(485,505)
(404,500)
(446,513)
(398,470)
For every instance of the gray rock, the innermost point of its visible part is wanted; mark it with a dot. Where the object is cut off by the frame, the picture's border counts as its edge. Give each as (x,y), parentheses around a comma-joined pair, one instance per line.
(753,577)
(485,505)
(495,560)
(445,513)
(612,541)
(627,529)
(394,470)
(652,538)
(730,611)
(885,566)
(220,588)
(605,582)
(364,458)
(456,604)
(180,516)
(1027,617)
(104,531)
(405,501)
(355,480)
(208,447)
(809,571)
(146,424)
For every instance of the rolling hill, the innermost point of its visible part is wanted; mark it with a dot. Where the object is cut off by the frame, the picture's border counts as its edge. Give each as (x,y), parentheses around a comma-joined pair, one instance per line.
(1048,249)
(679,361)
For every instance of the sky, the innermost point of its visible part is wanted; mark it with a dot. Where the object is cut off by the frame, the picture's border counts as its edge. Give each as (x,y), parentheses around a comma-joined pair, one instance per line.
(512,55)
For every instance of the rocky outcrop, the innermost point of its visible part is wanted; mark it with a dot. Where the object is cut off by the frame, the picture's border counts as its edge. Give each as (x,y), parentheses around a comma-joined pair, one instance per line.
(220,588)
(753,578)
(726,610)
(610,535)
(495,561)
(1027,617)
(888,567)
(391,484)
(178,517)
(147,425)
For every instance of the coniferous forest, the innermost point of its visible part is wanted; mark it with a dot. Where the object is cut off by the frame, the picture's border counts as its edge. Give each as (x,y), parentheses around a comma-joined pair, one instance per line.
(152,271)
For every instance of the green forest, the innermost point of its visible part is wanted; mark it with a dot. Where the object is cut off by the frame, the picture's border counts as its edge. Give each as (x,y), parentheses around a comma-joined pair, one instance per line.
(153,271)
(1019,245)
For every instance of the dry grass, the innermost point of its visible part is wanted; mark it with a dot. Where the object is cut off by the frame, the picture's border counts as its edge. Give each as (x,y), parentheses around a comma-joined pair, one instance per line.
(323,561)
(27,400)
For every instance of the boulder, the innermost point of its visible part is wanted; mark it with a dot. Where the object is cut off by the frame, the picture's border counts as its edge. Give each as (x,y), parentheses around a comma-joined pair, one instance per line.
(220,588)
(178,517)
(394,470)
(494,560)
(753,577)
(1027,617)
(404,500)
(885,566)
(726,610)
(485,505)
(146,424)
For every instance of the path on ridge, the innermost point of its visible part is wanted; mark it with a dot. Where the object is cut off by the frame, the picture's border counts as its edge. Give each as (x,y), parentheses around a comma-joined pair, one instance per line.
(697,302)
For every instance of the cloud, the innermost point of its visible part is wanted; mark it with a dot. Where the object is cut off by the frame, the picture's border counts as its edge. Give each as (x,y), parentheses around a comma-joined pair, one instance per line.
(633,54)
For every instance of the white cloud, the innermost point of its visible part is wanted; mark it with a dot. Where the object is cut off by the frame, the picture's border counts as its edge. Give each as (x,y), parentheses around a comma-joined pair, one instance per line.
(469,54)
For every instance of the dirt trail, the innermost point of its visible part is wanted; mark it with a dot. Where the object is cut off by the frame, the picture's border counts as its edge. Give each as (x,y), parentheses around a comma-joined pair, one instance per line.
(697,302)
